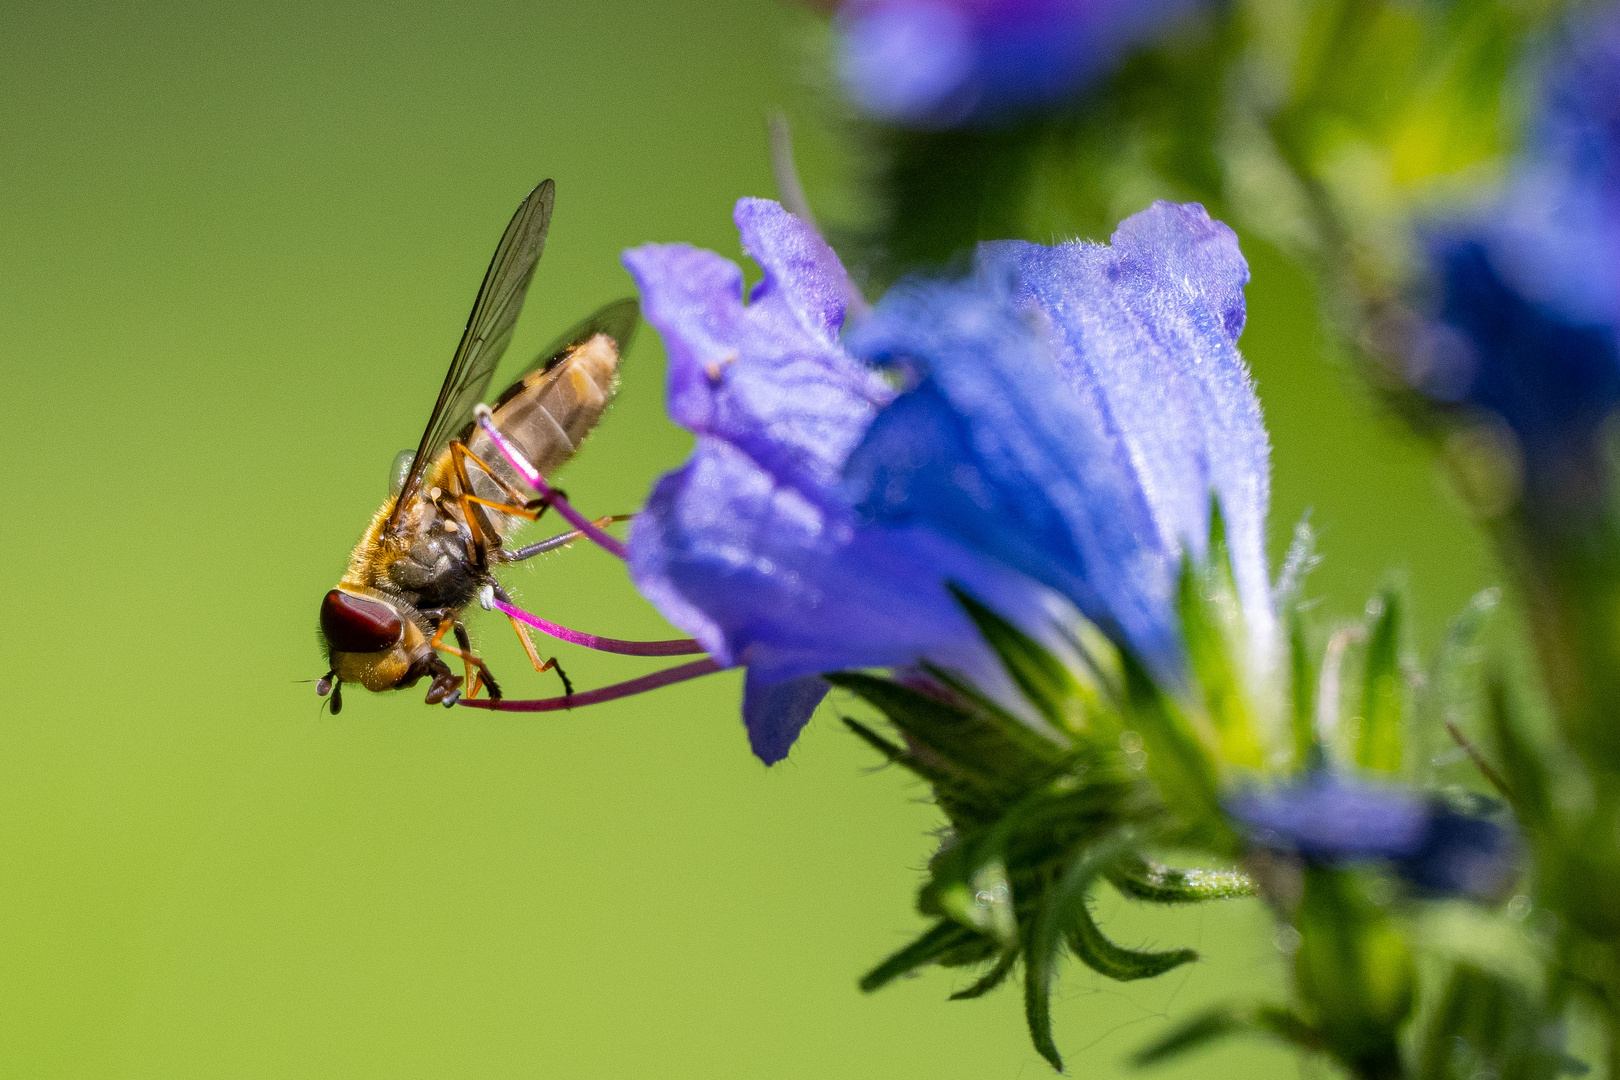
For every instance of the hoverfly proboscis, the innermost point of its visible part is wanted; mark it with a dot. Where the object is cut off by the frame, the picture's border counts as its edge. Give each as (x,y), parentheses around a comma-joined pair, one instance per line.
(432,547)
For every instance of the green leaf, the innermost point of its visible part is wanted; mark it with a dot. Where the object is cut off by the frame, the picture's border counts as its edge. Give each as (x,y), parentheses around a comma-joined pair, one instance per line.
(1043,680)
(1223,1020)
(1486,1025)
(941,939)
(1383,695)
(1522,768)
(1200,1031)
(1103,956)
(991,979)
(1353,969)
(1144,880)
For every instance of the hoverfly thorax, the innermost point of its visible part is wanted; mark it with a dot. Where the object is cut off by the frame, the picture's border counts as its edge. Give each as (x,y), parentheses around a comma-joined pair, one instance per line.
(431,547)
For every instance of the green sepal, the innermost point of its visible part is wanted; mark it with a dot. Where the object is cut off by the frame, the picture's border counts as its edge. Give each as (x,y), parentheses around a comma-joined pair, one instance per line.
(991,979)
(1178,760)
(1383,694)
(1105,957)
(939,940)
(1014,731)
(1224,1020)
(1207,602)
(975,892)
(986,758)
(1044,682)
(1142,879)
(1044,935)
(1302,680)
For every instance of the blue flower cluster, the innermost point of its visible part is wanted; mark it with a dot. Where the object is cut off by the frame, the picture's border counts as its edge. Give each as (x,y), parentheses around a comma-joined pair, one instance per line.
(948,63)
(1527,317)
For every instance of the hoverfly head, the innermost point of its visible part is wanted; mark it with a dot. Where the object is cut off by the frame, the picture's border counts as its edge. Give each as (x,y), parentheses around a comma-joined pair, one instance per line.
(368,640)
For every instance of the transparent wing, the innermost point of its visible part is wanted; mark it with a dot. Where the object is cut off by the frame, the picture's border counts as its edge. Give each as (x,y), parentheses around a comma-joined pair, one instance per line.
(489,331)
(617,320)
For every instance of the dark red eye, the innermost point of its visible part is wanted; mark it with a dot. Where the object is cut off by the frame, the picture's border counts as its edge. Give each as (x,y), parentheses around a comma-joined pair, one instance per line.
(355,624)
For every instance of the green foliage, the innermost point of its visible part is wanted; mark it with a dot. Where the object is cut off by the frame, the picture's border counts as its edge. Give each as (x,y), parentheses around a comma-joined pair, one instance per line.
(1383,695)
(1095,765)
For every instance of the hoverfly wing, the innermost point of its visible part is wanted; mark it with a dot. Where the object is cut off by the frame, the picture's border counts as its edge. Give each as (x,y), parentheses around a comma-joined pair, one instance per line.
(617,320)
(488,332)
(548,412)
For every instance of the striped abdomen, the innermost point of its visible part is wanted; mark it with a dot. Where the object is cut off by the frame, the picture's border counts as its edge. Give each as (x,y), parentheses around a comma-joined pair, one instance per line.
(547,414)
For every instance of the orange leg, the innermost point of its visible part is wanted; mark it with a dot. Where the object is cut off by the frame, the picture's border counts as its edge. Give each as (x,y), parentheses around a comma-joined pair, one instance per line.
(469,660)
(534,656)
(459,456)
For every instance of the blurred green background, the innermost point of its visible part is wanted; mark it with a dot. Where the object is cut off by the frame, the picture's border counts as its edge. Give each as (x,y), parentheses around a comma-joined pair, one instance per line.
(237,245)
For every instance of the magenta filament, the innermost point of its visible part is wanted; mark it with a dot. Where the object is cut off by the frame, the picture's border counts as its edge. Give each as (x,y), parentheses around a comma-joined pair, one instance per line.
(668,676)
(675,647)
(532,477)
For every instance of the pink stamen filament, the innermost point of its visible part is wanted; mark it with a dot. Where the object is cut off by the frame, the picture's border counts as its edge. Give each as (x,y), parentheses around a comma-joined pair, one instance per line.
(675,647)
(679,673)
(532,477)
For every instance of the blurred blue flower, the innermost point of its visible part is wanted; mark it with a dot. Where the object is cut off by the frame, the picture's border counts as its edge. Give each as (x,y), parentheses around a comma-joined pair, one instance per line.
(1066,414)
(1528,303)
(945,63)
(1329,819)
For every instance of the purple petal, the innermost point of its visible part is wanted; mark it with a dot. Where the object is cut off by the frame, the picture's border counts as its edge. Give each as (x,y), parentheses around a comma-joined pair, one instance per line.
(993,452)
(1148,330)
(1326,817)
(1081,450)
(768,377)
(762,576)
(775,713)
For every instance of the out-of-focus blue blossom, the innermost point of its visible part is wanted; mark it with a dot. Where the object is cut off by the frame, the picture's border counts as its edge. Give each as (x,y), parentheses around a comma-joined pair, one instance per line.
(945,63)
(1329,819)
(1529,287)
(1066,414)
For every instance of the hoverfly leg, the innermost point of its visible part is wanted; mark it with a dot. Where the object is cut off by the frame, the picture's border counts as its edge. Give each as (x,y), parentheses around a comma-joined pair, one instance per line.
(541,666)
(568,685)
(469,660)
(459,456)
(543,503)
(487,676)
(561,540)
(446,685)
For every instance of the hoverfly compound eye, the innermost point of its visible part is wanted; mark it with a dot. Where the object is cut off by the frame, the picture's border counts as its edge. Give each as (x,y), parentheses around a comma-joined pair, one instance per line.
(355,624)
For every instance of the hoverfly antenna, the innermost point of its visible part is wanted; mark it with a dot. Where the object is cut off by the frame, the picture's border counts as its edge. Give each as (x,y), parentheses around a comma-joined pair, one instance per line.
(323,685)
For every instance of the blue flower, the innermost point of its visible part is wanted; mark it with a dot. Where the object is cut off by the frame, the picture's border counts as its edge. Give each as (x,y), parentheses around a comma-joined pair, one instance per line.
(1528,298)
(1066,413)
(944,63)
(1328,819)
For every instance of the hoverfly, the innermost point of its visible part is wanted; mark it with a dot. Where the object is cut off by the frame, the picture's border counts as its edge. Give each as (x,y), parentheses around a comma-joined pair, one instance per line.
(433,545)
